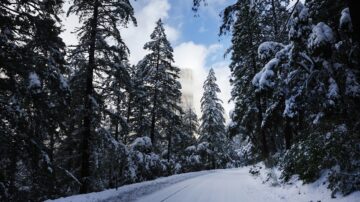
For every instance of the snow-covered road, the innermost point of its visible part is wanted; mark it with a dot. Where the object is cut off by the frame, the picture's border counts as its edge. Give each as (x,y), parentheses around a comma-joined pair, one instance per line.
(222,185)
(237,185)
(230,185)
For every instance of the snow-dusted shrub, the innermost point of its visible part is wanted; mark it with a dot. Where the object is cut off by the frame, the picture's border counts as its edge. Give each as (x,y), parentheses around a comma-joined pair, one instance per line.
(335,150)
(246,154)
(144,164)
(192,161)
(109,161)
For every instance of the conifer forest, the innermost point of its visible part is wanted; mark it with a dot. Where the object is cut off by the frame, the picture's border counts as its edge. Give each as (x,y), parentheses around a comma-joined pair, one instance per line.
(81,118)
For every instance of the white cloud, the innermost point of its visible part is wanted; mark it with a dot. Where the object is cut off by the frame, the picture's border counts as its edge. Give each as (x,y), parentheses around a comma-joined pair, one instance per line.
(194,56)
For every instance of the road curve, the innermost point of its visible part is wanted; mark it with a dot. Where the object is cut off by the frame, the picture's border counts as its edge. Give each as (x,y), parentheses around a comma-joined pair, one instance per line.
(220,186)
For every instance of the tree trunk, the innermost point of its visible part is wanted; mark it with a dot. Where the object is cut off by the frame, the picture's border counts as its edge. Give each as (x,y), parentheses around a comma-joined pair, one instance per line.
(85,156)
(153,118)
(213,162)
(287,134)
(12,169)
(275,20)
(264,146)
(128,118)
(354,8)
(169,147)
(117,131)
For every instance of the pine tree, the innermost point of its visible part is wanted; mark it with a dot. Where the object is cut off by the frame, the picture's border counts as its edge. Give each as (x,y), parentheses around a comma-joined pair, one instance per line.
(33,90)
(273,16)
(243,19)
(163,86)
(139,120)
(307,75)
(212,128)
(100,19)
(191,126)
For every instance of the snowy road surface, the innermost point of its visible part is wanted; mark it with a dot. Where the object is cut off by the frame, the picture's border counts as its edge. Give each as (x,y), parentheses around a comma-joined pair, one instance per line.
(231,185)
(237,185)
(223,185)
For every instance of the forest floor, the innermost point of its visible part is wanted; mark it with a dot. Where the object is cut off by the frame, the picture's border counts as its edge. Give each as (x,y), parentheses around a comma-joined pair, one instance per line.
(224,185)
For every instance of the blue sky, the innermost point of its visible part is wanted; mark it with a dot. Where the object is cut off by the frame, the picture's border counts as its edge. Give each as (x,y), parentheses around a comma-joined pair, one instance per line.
(195,40)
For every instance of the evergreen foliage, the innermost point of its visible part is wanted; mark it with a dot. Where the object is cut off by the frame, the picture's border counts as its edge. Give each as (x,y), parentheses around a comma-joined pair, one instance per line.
(294,109)
(82,118)
(212,128)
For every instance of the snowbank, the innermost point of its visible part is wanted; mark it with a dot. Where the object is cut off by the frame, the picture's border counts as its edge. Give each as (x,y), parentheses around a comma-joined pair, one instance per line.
(296,190)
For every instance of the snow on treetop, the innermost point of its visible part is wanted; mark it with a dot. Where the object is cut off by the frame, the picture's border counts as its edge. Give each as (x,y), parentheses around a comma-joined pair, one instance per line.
(298,21)
(321,35)
(263,78)
(268,49)
(345,19)
(141,142)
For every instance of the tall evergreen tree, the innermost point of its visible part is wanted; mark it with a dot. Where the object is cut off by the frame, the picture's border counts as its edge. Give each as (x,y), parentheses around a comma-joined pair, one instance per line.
(307,75)
(33,96)
(163,86)
(139,118)
(243,19)
(212,128)
(191,125)
(100,19)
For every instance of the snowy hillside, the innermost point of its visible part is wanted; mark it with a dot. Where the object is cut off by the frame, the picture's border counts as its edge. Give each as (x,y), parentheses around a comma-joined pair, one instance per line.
(217,185)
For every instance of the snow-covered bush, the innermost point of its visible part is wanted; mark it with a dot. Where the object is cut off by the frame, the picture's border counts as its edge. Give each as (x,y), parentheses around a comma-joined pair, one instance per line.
(246,154)
(334,150)
(144,164)
(109,160)
(192,161)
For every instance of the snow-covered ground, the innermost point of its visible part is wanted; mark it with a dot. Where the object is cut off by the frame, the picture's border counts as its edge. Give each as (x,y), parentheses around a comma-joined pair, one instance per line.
(230,185)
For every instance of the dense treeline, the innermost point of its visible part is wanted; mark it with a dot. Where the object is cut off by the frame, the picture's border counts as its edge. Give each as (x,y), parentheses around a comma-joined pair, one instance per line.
(80,118)
(295,78)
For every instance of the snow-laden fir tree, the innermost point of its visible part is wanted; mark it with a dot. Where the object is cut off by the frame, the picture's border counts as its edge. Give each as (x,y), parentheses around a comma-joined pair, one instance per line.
(33,98)
(243,19)
(190,126)
(139,102)
(101,62)
(312,78)
(162,86)
(212,128)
